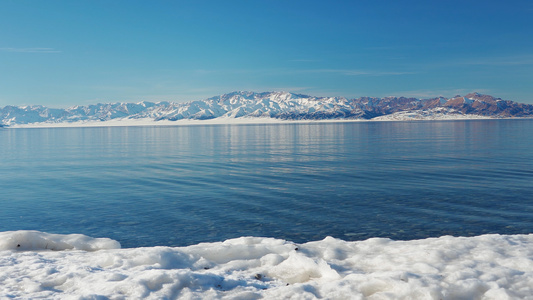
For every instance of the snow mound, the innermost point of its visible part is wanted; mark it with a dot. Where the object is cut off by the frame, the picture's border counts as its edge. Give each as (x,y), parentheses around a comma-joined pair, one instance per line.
(482,267)
(25,240)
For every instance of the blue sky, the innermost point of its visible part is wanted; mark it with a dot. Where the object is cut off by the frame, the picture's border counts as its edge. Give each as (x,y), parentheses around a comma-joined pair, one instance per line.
(62,53)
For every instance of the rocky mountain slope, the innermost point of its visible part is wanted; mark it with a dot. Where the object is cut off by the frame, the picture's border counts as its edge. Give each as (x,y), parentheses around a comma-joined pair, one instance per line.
(277,105)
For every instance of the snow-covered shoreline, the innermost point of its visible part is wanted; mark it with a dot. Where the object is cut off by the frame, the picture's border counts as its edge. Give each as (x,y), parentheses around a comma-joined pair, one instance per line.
(482,267)
(242,121)
(151,122)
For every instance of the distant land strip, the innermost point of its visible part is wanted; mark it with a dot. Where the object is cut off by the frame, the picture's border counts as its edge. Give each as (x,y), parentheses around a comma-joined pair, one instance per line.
(271,106)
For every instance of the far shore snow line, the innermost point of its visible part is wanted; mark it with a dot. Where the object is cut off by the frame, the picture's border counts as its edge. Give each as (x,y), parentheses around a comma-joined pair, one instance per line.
(231,121)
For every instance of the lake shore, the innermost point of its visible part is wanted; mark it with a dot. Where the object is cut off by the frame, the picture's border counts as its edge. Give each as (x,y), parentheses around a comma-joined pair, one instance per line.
(488,266)
(238,121)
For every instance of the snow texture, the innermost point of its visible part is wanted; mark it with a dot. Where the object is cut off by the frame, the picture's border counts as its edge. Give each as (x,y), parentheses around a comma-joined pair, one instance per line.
(262,107)
(482,267)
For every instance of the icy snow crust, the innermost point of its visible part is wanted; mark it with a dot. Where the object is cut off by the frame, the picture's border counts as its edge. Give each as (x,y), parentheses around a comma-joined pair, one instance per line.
(482,267)
(35,240)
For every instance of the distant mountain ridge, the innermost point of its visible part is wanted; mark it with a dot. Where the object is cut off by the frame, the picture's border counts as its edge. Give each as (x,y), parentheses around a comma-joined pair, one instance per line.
(277,105)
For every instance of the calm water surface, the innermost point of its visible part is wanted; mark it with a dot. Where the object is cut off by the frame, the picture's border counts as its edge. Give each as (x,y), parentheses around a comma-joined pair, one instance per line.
(176,186)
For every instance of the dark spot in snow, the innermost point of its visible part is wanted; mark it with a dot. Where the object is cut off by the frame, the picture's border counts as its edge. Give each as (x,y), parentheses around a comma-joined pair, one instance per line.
(296,248)
(258,276)
(18,245)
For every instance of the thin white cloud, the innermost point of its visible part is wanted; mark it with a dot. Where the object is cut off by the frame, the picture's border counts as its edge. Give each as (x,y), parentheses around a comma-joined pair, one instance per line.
(497,61)
(304,60)
(293,89)
(30,50)
(503,61)
(203,72)
(425,94)
(274,71)
(349,72)
(388,48)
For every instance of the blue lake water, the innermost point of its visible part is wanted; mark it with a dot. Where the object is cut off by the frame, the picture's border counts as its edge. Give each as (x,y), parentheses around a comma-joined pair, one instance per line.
(182,185)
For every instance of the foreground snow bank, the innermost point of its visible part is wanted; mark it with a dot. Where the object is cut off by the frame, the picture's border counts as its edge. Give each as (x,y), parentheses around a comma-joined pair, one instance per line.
(483,267)
(35,240)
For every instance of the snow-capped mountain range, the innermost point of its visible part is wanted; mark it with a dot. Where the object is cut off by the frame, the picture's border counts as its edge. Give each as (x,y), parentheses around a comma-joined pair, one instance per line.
(276,105)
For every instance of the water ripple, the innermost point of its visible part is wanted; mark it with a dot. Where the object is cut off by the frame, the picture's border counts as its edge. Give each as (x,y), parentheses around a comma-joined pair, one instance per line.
(184,185)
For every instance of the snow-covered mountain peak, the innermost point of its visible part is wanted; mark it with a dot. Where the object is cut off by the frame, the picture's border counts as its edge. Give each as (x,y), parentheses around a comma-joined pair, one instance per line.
(277,105)
(482,97)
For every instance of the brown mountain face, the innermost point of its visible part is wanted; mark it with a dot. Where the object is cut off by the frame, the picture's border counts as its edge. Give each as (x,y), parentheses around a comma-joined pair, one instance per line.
(473,103)
(486,105)
(280,105)
(433,103)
